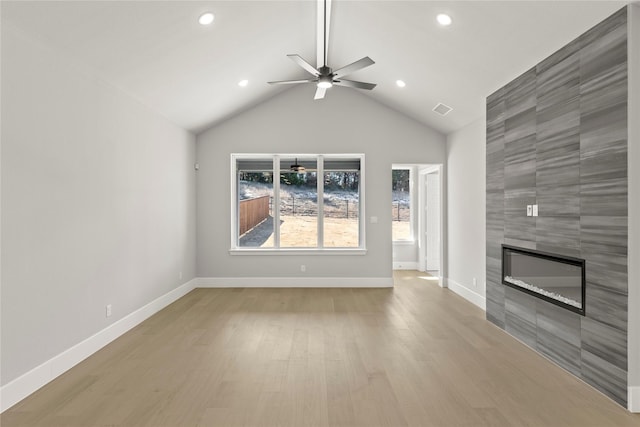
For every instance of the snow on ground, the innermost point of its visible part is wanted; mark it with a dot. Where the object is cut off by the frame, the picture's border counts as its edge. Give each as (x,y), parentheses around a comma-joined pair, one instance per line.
(303,201)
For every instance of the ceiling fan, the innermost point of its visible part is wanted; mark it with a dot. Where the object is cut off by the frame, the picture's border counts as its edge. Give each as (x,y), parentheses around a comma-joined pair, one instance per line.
(324,77)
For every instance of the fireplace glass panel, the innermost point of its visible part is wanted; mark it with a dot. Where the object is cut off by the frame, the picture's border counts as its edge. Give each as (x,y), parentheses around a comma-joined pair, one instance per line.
(554,278)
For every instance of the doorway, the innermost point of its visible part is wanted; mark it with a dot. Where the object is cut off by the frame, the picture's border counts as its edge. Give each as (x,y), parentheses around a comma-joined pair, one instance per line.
(417,218)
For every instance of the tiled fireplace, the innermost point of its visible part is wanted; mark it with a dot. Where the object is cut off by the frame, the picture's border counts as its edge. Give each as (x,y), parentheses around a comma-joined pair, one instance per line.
(557,138)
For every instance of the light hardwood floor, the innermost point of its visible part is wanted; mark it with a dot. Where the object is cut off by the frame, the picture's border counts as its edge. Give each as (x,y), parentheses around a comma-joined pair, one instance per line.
(414,355)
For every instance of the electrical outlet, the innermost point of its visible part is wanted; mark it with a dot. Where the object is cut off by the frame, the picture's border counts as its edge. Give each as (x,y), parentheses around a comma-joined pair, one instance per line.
(535,210)
(529,210)
(475,282)
(374,220)
(303,268)
(107,310)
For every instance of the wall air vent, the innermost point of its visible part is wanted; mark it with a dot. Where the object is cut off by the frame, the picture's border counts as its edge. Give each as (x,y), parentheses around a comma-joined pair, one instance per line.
(442,109)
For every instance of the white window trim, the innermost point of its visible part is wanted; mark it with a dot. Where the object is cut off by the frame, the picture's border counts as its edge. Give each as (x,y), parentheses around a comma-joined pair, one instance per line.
(277,250)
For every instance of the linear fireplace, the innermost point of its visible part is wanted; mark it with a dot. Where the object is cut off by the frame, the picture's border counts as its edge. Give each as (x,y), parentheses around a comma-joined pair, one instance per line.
(554,278)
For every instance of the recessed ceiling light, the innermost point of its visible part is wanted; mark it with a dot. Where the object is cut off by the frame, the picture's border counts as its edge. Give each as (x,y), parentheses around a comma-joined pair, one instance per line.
(400,83)
(243,83)
(444,19)
(206,18)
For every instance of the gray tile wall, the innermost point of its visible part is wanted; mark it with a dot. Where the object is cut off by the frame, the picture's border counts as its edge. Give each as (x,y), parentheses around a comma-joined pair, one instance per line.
(557,136)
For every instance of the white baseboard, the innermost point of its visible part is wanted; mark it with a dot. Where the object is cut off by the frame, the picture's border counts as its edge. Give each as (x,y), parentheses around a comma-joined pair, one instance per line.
(294,282)
(23,386)
(467,294)
(401,265)
(633,399)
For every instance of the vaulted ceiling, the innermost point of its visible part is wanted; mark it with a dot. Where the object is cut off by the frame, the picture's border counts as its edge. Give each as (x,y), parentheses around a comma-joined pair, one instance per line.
(158,52)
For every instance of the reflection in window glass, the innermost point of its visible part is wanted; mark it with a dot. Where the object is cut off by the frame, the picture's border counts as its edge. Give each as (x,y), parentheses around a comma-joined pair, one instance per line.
(401,204)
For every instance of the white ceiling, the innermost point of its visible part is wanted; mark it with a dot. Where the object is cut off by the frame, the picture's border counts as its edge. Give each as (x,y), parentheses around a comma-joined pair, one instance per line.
(157,52)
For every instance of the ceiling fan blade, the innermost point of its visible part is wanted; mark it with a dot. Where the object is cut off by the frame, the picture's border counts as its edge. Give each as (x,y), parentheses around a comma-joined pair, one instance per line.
(351,83)
(355,66)
(304,64)
(291,82)
(320,93)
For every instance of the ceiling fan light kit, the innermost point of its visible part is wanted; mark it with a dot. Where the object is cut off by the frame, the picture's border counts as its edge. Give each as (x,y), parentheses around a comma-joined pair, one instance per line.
(296,167)
(323,76)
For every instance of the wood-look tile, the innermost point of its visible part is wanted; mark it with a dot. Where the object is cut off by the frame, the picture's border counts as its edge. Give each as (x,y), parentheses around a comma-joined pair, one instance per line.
(494,270)
(606,50)
(495,135)
(520,94)
(611,23)
(495,303)
(493,250)
(558,335)
(558,127)
(561,58)
(495,181)
(559,200)
(520,164)
(604,341)
(604,234)
(606,90)
(559,235)
(495,236)
(524,244)
(606,377)
(515,202)
(603,144)
(520,125)
(607,270)
(520,231)
(559,322)
(606,305)
(520,315)
(606,197)
(604,132)
(558,84)
(495,108)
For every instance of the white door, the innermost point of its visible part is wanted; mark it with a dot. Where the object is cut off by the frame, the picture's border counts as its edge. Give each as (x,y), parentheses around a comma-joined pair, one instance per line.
(432,213)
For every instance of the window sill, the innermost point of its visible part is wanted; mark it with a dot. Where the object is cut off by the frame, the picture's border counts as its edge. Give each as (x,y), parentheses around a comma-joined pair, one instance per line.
(301,251)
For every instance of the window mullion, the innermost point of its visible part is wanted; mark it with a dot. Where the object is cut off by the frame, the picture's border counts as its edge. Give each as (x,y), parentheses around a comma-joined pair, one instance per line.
(276,201)
(320,195)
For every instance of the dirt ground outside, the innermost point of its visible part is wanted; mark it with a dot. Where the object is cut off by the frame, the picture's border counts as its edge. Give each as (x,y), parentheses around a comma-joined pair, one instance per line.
(302,232)
(401,230)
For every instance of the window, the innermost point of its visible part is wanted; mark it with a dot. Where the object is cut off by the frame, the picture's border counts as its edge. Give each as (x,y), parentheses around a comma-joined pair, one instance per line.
(401,204)
(297,202)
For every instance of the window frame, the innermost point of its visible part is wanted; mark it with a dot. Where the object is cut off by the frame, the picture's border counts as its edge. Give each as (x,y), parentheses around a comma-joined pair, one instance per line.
(236,249)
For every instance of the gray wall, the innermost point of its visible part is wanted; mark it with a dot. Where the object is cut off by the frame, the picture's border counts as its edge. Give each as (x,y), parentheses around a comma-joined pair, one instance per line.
(292,122)
(98,204)
(557,136)
(466,208)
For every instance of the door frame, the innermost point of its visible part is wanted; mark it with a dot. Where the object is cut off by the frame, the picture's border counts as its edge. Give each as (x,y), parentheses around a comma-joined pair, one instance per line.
(422,224)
